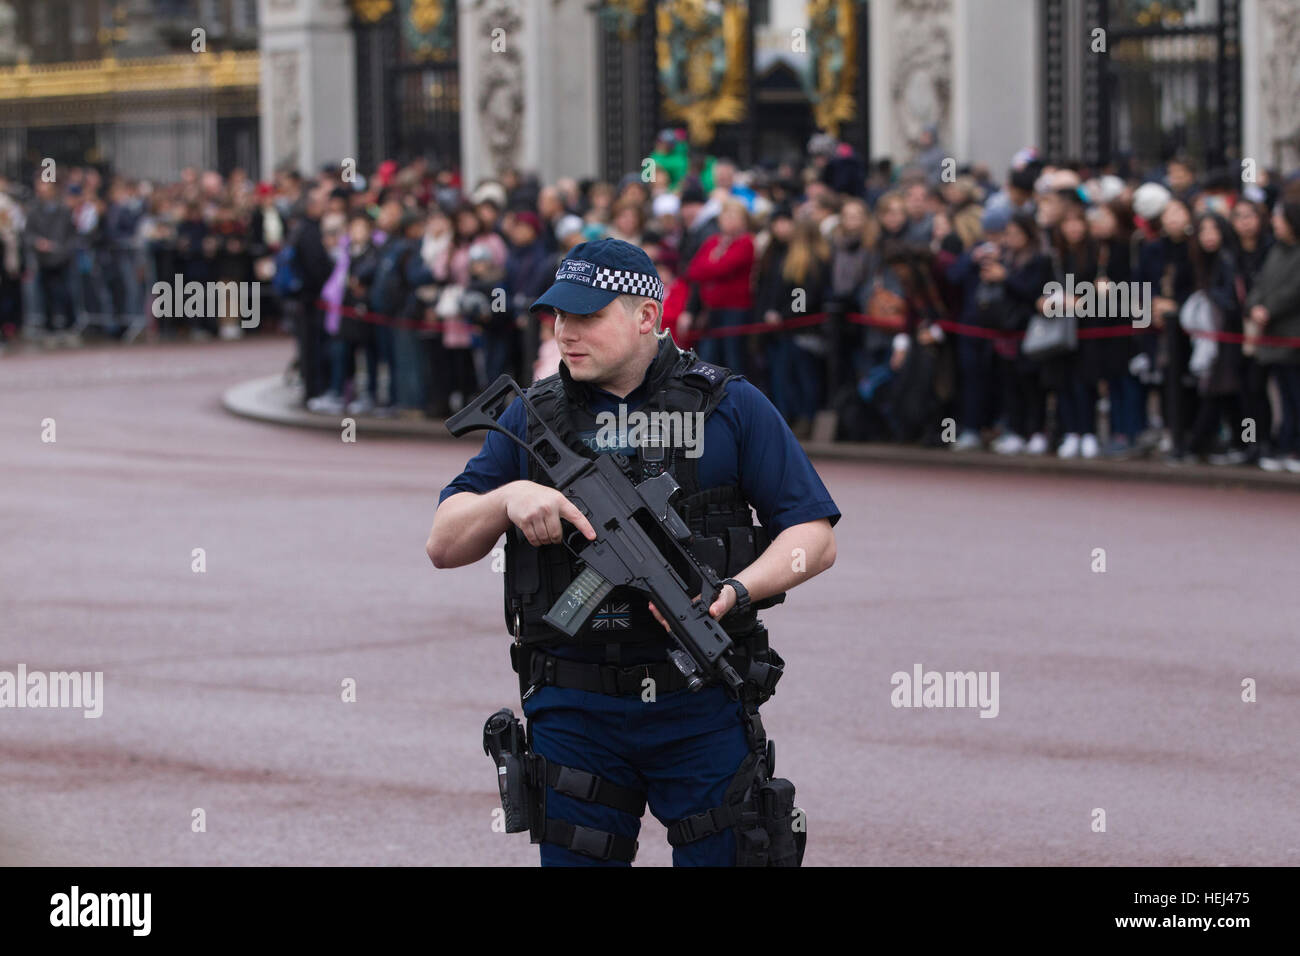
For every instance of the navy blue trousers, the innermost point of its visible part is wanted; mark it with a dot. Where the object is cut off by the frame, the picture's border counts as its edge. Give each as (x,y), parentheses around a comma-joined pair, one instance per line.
(682,749)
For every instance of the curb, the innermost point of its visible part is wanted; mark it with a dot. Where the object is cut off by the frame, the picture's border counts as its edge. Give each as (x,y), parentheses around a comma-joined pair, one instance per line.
(271,400)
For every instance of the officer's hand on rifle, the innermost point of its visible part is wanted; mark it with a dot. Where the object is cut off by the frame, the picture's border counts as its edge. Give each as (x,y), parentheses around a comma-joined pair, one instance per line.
(536,510)
(717,610)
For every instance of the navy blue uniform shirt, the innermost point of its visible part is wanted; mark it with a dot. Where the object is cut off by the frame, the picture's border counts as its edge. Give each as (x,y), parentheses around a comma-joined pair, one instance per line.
(746,442)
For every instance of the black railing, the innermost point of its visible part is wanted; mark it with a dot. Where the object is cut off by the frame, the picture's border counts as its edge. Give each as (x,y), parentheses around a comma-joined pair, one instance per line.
(1157,90)
(408,106)
(426,107)
(629,89)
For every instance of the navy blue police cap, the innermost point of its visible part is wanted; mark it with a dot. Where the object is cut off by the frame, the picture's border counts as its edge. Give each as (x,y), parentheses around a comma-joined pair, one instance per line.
(594,274)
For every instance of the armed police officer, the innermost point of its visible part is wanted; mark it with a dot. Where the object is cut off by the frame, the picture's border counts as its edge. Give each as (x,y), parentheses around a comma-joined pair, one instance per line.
(612,726)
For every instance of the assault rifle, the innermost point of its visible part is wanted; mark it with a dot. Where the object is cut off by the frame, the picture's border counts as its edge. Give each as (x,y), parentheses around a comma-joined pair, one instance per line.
(623,554)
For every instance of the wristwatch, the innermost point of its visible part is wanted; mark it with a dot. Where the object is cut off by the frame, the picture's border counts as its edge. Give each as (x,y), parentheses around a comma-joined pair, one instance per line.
(742,594)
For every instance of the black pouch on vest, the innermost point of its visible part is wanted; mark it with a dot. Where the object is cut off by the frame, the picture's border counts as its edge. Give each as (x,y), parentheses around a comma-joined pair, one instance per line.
(531,575)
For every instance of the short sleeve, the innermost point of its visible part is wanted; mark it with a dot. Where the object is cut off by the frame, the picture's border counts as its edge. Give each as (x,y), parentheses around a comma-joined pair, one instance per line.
(498,462)
(775,474)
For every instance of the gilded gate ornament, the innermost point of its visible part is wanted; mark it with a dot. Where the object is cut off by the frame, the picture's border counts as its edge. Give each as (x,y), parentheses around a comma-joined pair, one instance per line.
(833,46)
(370,11)
(702,60)
(429,27)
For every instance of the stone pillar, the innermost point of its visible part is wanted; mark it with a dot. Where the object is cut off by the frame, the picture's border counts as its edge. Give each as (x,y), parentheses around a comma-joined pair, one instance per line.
(566,76)
(1270,83)
(528,80)
(972,70)
(997,95)
(308,87)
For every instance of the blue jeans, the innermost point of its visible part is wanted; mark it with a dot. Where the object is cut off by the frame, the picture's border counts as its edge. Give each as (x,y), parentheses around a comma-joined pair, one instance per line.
(682,749)
(93,295)
(128,293)
(383,354)
(1288,387)
(1077,403)
(497,354)
(408,369)
(342,362)
(779,359)
(975,363)
(728,351)
(804,382)
(1128,415)
(56,297)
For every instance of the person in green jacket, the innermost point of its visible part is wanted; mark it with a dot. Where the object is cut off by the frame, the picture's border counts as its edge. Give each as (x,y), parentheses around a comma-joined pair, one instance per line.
(672,155)
(1273,310)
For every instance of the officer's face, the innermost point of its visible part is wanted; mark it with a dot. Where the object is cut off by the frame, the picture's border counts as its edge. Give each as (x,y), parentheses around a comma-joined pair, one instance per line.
(597,347)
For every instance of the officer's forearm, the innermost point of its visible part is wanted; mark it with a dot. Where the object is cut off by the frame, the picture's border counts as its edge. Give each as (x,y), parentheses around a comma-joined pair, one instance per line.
(466,526)
(798,553)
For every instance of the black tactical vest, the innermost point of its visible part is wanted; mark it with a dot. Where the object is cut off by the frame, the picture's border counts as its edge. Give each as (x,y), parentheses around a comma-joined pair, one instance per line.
(723,533)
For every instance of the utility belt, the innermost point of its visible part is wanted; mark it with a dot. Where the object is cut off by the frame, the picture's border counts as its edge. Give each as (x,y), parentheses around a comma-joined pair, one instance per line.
(755,661)
(770,830)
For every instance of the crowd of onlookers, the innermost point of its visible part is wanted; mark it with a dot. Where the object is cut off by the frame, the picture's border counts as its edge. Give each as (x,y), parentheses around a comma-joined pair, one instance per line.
(917,304)
(81,254)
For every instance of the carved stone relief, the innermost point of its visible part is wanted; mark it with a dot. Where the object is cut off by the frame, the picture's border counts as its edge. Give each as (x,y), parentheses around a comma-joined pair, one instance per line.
(920,82)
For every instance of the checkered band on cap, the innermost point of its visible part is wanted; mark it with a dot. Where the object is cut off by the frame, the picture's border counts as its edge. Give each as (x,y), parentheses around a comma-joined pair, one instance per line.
(627,282)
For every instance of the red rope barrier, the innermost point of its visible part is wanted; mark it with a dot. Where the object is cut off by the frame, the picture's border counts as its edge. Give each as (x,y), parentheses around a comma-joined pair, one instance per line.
(376,318)
(759,328)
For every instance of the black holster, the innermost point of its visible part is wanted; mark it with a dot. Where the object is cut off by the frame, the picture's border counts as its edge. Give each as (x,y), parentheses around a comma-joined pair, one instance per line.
(505,741)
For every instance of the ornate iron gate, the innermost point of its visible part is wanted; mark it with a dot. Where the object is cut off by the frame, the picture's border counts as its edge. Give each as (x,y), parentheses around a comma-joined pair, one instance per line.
(1173,83)
(669,63)
(1168,81)
(408,81)
(629,87)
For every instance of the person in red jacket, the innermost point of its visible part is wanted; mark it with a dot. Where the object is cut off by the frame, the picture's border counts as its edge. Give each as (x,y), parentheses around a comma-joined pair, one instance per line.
(676,291)
(723,269)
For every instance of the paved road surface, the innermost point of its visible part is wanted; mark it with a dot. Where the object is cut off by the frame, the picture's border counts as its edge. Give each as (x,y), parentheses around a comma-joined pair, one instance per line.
(222,690)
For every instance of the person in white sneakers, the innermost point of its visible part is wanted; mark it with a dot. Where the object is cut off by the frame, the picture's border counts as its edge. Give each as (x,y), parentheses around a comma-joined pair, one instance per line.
(1009,444)
(1078,446)
(1273,312)
(1012,278)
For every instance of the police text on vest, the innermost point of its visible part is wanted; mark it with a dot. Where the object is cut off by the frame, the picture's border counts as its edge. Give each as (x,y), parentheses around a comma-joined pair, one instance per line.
(658,429)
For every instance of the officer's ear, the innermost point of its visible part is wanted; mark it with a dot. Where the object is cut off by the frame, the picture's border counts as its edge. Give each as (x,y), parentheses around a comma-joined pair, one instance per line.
(648,316)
